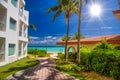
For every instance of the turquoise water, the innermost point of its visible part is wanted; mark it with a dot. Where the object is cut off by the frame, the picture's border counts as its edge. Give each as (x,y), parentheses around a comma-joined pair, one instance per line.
(49,48)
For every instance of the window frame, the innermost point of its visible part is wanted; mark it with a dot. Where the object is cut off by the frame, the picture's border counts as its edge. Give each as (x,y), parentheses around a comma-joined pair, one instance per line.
(12,48)
(13,22)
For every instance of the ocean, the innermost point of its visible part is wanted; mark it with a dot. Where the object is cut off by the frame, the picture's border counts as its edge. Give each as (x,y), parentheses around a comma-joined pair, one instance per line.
(49,48)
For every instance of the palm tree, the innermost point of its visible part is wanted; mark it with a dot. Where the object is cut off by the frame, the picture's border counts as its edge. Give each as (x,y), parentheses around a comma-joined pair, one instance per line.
(79,24)
(32,26)
(76,36)
(68,7)
(119,3)
(63,38)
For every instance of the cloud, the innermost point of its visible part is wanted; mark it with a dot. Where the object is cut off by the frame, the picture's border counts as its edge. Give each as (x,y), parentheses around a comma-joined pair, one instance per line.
(33,37)
(54,38)
(48,37)
(46,40)
(106,27)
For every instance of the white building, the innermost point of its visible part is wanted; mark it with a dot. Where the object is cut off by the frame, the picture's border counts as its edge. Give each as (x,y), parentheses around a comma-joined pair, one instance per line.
(13,30)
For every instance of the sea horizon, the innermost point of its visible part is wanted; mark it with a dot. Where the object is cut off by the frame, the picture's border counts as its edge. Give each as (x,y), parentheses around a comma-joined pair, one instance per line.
(49,48)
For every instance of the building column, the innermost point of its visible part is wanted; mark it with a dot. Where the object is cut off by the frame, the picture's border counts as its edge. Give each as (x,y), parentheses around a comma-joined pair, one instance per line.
(22,30)
(22,48)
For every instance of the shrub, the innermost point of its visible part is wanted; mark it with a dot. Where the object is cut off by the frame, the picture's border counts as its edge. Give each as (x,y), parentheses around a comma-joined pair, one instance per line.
(61,55)
(37,52)
(103,59)
(85,57)
(77,68)
(72,56)
(103,45)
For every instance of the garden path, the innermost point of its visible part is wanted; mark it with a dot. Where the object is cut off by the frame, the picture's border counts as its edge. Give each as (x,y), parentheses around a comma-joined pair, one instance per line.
(45,70)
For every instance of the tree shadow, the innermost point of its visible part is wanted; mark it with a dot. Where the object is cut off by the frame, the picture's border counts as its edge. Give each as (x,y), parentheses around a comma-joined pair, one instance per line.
(30,72)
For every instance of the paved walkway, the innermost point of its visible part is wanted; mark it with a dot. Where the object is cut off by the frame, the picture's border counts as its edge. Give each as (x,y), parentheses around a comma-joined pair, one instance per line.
(43,71)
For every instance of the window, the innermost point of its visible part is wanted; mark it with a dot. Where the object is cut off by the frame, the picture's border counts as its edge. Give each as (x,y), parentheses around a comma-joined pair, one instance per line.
(12,24)
(14,2)
(11,49)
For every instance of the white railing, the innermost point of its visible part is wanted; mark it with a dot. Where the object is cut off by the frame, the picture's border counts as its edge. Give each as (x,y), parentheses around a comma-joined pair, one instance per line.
(23,14)
(2,56)
(22,34)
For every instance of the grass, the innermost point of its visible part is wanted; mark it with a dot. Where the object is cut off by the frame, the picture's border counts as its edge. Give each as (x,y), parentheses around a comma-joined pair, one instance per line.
(76,75)
(69,68)
(16,66)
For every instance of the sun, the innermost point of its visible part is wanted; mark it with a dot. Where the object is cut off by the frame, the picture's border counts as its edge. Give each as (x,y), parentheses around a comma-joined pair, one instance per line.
(95,10)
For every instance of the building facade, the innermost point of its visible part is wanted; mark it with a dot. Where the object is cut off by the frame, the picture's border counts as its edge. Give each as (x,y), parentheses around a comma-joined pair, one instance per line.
(13,30)
(91,42)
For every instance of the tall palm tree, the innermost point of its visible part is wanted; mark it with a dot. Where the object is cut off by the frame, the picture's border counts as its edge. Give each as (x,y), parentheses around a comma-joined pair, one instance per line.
(119,3)
(32,26)
(76,36)
(68,7)
(79,25)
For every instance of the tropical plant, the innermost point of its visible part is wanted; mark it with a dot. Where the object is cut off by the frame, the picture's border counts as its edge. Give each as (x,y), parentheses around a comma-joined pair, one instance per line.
(64,38)
(68,7)
(79,24)
(119,3)
(32,26)
(76,36)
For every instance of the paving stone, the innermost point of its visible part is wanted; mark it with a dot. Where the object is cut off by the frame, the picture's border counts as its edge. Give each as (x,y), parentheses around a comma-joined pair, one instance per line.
(43,71)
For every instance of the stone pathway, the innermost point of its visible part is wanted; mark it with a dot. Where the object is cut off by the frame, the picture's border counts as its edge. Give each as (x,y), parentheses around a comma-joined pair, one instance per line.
(43,71)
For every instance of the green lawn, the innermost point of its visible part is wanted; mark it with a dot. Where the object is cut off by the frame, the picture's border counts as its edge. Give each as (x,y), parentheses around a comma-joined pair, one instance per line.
(76,75)
(21,64)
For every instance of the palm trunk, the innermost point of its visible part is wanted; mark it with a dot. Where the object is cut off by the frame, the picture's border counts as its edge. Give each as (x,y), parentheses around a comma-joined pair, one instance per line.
(119,3)
(67,33)
(79,24)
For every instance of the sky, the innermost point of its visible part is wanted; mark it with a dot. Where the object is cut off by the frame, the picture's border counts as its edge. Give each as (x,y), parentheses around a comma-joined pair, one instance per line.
(48,33)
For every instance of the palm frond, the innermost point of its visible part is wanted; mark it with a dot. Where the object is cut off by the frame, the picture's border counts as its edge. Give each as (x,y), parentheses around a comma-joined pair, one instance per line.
(52,9)
(56,15)
(33,26)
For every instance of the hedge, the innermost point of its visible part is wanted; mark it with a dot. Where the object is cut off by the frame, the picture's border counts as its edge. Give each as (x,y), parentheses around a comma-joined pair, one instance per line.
(40,53)
(103,59)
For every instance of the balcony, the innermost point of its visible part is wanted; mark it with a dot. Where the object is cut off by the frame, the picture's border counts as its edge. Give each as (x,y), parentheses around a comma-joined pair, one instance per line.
(4,3)
(2,50)
(3,14)
(2,26)
(24,16)
(2,56)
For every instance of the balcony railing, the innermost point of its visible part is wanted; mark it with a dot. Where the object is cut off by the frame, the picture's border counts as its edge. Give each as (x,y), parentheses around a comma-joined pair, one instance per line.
(24,34)
(2,56)
(23,14)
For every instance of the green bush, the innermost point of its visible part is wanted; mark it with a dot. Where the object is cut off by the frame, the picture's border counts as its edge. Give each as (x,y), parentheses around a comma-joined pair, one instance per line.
(85,57)
(77,68)
(40,53)
(61,55)
(72,56)
(103,59)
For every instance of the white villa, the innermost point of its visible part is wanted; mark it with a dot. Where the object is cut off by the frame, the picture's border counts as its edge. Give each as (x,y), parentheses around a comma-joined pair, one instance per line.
(13,30)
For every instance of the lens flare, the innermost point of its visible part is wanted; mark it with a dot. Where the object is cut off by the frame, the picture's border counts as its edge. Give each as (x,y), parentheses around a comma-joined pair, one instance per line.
(95,10)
